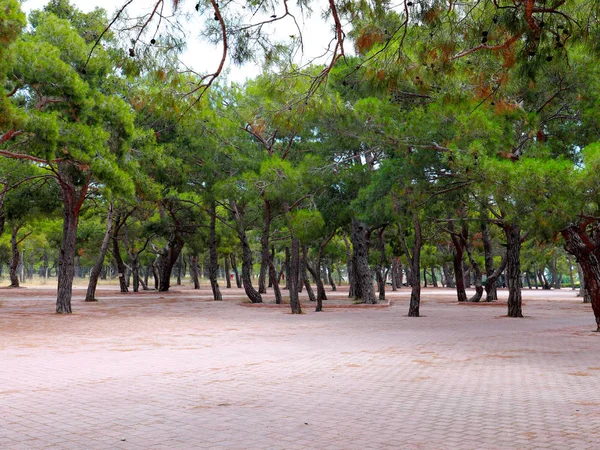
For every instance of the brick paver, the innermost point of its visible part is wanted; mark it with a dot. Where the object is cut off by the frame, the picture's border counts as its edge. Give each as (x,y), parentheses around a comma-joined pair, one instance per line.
(177,371)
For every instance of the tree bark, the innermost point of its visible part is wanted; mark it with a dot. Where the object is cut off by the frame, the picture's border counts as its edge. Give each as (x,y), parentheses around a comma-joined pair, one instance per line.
(213,265)
(90,295)
(194,271)
(120,264)
(459,240)
(275,281)
(415,294)
(238,280)
(330,276)
(15,259)
(513,269)
(364,291)
(381,273)
(251,293)
(350,268)
(493,278)
(586,251)
(168,258)
(264,246)
(491,291)
(294,276)
(448,276)
(227,272)
(72,200)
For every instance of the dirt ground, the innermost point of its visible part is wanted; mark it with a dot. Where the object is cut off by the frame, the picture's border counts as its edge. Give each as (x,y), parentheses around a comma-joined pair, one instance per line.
(177,370)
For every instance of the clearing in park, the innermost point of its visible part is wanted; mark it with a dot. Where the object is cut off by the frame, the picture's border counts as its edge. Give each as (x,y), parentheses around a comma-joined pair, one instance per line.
(177,370)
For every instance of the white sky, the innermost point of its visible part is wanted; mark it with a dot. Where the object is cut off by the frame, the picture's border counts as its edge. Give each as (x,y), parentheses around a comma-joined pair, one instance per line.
(203,57)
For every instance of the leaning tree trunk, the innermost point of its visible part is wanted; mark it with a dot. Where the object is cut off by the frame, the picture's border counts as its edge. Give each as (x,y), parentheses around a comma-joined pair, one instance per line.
(587,253)
(478,277)
(90,295)
(275,281)
(120,264)
(294,276)
(513,269)
(213,263)
(493,278)
(238,280)
(330,276)
(168,259)
(72,201)
(251,293)
(459,274)
(305,278)
(364,291)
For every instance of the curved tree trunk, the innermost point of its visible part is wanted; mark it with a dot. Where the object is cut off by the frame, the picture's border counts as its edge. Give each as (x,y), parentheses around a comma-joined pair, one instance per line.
(587,253)
(251,293)
(513,269)
(90,295)
(168,258)
(238,280)
(478,277)
(275,280)
(493,278)
(120,264)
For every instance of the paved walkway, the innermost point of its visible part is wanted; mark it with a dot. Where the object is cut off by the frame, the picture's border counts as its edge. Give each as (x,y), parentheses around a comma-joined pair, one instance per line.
(177,371)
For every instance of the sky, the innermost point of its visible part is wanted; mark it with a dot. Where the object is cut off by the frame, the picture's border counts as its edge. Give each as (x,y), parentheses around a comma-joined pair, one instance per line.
(203,57)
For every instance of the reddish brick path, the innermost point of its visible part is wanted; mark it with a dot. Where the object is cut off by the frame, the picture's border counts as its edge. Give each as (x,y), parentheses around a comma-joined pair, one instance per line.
(171,372)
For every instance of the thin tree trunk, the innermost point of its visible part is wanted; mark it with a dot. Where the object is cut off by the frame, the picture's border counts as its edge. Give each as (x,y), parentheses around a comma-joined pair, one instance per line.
(15,259)
(415,294)
(330,276)
(287,267)
(294,276)
(227,272)
(264,246)
(350,269)
(238,281)
(90,295)
(458,253)
(433,277)
(119,261)
(213,266)
(275,280)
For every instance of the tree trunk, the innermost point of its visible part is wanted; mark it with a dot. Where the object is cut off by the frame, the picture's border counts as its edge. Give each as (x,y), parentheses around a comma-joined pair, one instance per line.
(168,258)
(15,259)
(227,272)
(72,201)
(135,272)
(179,267)
(305,278)
(381,272)
(491,292)
(433,277)
(90,295)
(350,269)
(294,276)
(448,276)
(287,266)
(528,279)
(459,274)
(275,280)
(330,276)
(194,271)
(493,278)
(587,254)
(264,247)
(251,293)
(120,264)
(155,273)
(364,291)
(415,294)
(478,276)
(513,269)
(213,265)
(238,281)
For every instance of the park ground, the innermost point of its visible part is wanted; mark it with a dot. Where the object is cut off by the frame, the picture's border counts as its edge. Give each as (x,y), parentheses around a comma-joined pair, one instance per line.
(178,371)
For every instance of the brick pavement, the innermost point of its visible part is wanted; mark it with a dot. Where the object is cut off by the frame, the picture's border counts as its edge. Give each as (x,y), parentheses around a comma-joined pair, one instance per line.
(176,371)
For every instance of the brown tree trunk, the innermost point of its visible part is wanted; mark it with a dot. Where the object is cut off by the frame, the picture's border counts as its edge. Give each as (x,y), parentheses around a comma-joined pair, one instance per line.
(90,295)
(330,276)
(478,277)
(194,271)
(119,261)
(491,292)
(168,258)
(587,253)
(364,291)
(238,280)
(458,255)
(448,276)
(415,294)
(213,264)
(381,273)
(494,277)
(275,281)
(350,269)
(513,269)
(294,276)
(72,200)
(15,258)
(227,272)
(264,247)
